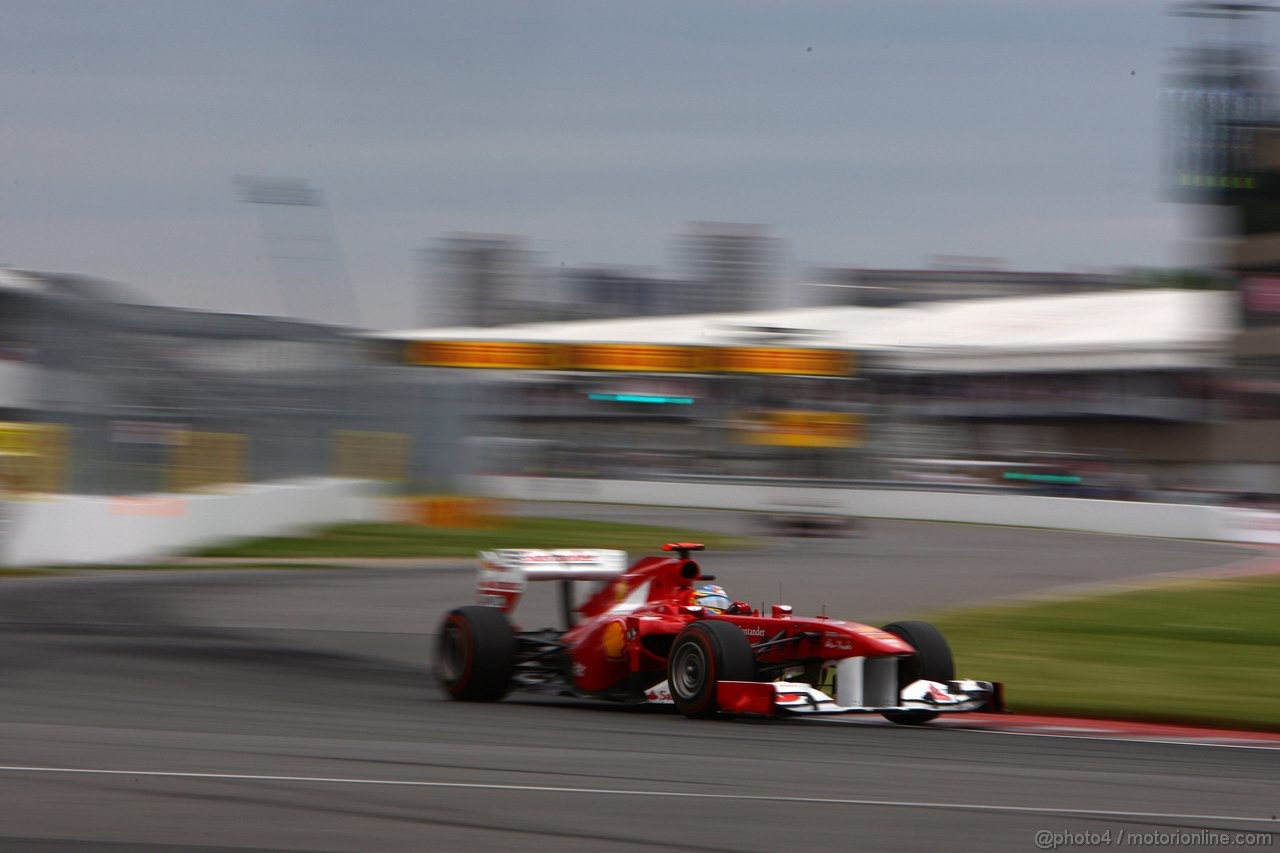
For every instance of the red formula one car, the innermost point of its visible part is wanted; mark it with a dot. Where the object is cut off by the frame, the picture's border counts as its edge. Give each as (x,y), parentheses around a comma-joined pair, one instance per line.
(641,637)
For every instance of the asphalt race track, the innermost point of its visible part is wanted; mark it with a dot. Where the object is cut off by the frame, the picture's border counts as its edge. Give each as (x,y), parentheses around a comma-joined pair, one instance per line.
(294,710)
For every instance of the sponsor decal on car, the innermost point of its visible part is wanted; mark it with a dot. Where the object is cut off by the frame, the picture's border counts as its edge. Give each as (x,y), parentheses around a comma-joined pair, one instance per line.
(614,641)
(559,557)
(937,695)
(503,586)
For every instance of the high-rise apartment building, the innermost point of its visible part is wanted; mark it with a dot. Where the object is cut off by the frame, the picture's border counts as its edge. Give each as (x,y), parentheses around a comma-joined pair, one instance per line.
(728,267)
(478,280)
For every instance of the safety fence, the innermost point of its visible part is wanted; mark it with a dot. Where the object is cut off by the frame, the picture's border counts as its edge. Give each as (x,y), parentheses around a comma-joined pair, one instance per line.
(40,458)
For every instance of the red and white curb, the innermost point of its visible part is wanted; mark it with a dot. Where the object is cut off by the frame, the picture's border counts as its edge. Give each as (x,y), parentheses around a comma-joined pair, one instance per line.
(1076,727)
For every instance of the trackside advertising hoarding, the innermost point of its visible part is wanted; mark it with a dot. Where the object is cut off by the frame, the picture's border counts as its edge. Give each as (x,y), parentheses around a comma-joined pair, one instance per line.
(630,358)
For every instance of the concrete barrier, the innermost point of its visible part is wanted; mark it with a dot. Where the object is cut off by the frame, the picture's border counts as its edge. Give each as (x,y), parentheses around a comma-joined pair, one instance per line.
(84,529)
(1178,521)
(79,529)
(1251,525)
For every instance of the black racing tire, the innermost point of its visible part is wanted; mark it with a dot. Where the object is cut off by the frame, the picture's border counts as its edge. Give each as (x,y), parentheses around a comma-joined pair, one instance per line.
(932,661)
(702,654)
(476,654)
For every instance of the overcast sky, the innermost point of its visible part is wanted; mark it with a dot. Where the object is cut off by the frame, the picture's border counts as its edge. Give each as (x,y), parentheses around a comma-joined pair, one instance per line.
(862,133)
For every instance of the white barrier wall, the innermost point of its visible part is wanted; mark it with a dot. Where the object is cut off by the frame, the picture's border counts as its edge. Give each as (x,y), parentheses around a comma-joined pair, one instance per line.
(83,529)
(1179,521)
(1251,525)
(77,529)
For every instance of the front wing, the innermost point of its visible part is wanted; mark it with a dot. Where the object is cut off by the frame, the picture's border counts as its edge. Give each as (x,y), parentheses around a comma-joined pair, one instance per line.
(784,697)
(862,686)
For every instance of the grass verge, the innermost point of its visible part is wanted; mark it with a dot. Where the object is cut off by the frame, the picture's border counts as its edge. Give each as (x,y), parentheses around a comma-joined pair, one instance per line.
(406,540)
(25,573)
(1205,652)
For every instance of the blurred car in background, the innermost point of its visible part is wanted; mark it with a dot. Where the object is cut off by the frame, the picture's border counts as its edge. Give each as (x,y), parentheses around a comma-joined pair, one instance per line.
(809,518)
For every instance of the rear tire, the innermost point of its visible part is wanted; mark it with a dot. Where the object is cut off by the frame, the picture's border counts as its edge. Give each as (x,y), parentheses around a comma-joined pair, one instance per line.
(702,654)
(476,654)
(932,662)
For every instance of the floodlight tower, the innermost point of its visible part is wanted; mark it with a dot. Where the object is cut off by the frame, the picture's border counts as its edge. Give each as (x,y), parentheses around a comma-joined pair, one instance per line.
(302,249)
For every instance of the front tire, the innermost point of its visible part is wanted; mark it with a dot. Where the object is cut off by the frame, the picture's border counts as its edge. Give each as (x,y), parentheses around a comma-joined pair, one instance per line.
(702,654)
(932,662)
(476,654)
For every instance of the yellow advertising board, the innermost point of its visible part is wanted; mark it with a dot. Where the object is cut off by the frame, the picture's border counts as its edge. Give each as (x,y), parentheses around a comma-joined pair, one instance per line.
(792,428)
(640,358)
(207,459)
(492,355)
(630,358)
(789,361)
(364,455)
(32,457)
(19,439)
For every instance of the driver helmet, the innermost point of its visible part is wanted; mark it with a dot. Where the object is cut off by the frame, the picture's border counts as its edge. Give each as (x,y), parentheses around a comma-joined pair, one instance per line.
(712,597)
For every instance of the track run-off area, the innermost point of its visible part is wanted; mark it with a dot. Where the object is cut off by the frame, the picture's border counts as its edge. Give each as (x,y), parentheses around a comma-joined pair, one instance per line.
(295,710)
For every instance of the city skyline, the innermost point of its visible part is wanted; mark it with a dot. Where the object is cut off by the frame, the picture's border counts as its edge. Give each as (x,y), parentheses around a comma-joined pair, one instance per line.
(873,134)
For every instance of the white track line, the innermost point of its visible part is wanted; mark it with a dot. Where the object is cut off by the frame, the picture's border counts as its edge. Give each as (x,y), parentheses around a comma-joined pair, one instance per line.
(551,789)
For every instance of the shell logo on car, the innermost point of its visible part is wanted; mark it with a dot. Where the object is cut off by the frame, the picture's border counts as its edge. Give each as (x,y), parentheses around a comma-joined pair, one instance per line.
(614,641)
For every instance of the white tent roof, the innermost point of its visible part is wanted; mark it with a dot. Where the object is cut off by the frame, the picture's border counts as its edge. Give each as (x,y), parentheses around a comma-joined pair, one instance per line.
(1113,330)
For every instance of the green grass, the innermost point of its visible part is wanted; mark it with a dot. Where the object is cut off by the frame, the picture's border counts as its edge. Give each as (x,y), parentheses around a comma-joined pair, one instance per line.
(24,573)
(265,565)
(405,540)
(1205,652)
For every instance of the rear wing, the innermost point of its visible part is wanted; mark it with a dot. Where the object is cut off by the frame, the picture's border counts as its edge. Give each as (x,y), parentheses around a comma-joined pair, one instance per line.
(505,574)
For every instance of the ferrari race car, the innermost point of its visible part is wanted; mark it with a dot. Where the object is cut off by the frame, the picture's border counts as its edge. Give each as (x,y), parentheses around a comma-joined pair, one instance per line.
(639,636)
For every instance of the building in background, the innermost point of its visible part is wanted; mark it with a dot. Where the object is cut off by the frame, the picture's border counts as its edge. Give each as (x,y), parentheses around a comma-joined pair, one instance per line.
(1127,382)
(1222,86)
(1254,255)
(1223,151)
(103,394)
(597,293)
(485,280)
(139,398)
(728,267)
(1250,437)
(480,280)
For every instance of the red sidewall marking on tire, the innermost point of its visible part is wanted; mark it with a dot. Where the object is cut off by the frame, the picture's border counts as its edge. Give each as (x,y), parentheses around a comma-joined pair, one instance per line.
(460,683)
(709,654)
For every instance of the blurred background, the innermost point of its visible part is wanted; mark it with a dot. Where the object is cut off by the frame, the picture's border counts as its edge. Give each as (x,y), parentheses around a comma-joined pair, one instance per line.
(998,248)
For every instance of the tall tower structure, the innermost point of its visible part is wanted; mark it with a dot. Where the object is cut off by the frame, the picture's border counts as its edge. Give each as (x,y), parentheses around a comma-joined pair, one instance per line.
(1221,90)
(1225,151)
(302,249)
